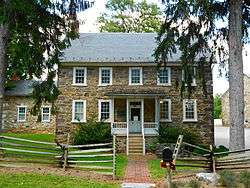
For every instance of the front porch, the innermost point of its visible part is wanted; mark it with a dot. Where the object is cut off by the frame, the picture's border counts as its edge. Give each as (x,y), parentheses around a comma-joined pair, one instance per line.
(135,118)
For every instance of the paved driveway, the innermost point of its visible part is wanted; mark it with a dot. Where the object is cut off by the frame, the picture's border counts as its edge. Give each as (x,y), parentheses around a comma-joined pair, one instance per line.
(221,135)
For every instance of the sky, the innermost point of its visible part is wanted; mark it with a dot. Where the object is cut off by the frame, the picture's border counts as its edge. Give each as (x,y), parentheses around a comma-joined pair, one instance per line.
(88,23)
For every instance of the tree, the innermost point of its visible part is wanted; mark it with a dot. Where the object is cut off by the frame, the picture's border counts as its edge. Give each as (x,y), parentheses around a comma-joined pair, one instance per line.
(192,27)
(127,16)
(217,107)
(32,37)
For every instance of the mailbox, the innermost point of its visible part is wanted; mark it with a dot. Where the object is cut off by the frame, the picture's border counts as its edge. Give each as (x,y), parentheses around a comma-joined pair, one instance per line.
(167,155)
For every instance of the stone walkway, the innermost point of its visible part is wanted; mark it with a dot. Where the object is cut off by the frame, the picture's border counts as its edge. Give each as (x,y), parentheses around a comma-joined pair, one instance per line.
(137,173)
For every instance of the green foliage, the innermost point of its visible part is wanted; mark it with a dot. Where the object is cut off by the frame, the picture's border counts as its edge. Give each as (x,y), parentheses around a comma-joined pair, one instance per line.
(38,32)
(245,178)
(128,16)
(217,107)
(228,179)
(92,132)
(169,134)
(194,184)
(152,146)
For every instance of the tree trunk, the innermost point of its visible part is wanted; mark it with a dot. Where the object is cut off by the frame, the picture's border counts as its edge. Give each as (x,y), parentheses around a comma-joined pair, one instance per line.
(236,82)
(4,38)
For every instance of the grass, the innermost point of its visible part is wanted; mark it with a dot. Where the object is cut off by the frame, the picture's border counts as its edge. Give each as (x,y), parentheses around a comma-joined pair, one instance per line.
(121,164)
(158,173)
(29,136)
(31,180)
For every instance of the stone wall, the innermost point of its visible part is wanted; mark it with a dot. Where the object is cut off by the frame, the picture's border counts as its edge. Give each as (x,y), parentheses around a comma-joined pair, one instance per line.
(225,104)
(31,125)
(92,92)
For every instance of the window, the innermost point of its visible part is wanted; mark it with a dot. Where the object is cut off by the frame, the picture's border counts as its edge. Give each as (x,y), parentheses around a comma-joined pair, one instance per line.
(46,114)
(80,76)
(189,110)
(21,113)
(79,111)
(105,76)
(193,79)
(164,76)
(165,110)
(135,76)
(104,110)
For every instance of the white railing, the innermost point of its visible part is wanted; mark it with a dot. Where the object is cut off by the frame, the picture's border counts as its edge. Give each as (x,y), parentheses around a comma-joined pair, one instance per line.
(151,125)
(119,125)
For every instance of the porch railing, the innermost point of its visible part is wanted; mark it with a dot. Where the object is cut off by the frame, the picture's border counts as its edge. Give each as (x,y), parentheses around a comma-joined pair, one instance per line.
(152,125)
(121,125)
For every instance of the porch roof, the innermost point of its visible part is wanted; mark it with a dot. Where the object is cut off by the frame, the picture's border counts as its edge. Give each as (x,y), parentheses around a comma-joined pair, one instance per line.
(137,91)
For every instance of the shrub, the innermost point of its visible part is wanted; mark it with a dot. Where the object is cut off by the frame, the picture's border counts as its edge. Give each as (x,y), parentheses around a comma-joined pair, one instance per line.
(228,179)
(194,184)
(245,179)
(92,132)
(169,134)
(152,145)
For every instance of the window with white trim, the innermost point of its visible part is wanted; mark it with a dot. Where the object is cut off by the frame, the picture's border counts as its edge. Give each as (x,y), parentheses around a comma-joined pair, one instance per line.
(21,113)
(193,77)
(165,110)
(135,76)
(164,76)
(105,76)
(104,110)
(189,110)
(79,111)
(80,76)
(45,114)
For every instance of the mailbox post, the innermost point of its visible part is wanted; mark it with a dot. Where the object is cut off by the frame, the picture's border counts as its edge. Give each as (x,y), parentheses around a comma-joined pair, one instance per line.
(168,163)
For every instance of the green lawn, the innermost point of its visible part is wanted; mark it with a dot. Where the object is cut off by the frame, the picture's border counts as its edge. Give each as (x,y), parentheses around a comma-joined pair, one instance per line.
(121,164)
(29,136)
(29,180)
(158,173)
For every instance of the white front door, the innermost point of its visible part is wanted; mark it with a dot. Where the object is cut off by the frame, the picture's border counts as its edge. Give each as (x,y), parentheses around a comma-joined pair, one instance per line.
(135,116)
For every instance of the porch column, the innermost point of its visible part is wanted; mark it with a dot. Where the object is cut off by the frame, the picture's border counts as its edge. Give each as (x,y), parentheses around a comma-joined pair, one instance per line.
(112,114)
(157,111)
(127,115)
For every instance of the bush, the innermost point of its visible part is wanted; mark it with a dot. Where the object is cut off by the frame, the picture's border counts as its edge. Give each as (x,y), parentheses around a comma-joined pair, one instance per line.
(169,134)
(152,145)
(228,179)
(245,179)
(92,132)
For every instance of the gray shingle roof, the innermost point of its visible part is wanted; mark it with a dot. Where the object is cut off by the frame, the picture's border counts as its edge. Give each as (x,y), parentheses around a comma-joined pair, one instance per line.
(22,88)
(113,47)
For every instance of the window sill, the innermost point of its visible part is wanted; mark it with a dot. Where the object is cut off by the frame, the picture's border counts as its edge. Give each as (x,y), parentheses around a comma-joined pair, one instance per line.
(166,121)
(158,84)
(84,85)
(74,121)
(21,121)
(190,120)
(104,85)
(45,121)
(135,84)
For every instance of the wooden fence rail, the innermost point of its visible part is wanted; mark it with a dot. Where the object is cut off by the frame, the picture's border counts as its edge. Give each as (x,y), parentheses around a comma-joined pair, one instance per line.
(100,158)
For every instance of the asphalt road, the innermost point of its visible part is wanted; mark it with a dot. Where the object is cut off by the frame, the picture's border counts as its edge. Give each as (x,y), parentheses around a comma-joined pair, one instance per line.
(221,135)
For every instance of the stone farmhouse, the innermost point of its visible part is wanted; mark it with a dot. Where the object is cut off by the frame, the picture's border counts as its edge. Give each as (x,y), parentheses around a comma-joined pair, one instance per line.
(225,104)
(16,111)
(112,77)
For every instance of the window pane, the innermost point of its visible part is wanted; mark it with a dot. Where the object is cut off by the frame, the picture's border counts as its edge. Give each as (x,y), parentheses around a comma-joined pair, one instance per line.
(105,76)
(79,111)
(21,113)
(135,76)
(79,76)
(105,111)
(45,114)
(164,110)
(189,109)
(163,76)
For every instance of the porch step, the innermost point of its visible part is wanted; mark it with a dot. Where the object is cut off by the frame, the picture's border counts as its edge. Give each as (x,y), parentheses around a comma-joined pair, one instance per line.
(135,144)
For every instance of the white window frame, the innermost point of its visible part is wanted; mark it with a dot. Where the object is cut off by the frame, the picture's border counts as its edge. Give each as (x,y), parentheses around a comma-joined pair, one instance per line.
(169,110)
(99,109)
(22,106)
(84,111)
(141,75)
(74,76)
(100,76)
(42,120)
(169,77)
(195,119)
(194,77)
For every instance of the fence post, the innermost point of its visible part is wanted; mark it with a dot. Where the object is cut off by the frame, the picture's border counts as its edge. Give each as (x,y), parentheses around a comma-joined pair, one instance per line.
(1,145)
(212,158)
(65,153)
(114,156)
